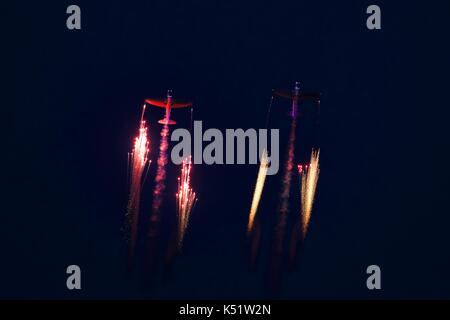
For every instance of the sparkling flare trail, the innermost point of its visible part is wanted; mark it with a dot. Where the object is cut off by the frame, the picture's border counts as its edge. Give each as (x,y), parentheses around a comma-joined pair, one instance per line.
(160,180)
(310,176)
(137,161)
(262,173)
(186,199)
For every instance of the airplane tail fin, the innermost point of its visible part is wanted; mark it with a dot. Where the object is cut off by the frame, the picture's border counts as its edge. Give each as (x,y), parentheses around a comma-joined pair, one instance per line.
(164,121)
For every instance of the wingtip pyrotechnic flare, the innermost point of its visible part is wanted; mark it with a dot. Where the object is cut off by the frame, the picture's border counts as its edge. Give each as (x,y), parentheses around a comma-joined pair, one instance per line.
(262,173)
(137,161)
(309,177)
(186,199)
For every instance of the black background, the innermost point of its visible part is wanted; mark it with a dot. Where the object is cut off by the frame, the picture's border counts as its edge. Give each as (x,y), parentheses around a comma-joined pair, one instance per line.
(73,104)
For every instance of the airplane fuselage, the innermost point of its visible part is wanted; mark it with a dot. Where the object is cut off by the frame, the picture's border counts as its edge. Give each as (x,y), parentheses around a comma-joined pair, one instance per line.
(168,106)
(295,99)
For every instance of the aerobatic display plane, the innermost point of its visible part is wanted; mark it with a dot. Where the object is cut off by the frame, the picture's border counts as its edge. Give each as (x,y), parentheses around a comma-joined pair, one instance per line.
(169,103)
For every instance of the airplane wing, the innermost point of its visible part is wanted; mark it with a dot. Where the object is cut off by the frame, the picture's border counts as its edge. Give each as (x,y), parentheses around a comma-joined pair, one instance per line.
(156,103)
(181,104)
(310,95)
(283,93)
(302,95)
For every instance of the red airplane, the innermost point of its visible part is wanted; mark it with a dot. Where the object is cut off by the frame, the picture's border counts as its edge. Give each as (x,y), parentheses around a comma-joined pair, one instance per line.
(168,104)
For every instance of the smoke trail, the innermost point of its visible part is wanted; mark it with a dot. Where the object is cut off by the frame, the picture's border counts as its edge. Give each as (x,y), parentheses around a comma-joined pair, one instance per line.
(160,179)
(283,210)
(153,229)
(186,199)
(285,194)
(137,161)
(309,184)
(262,173)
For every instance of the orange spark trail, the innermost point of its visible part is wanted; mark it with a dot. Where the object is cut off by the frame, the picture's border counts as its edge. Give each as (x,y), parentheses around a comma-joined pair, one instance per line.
(262,173)
(138,160)
(310,176)
(186,199)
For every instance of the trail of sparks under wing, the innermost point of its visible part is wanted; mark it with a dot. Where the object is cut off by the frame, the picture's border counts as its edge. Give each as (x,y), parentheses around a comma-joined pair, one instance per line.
(138,160)
(309,176)
(186,199)
(262,173)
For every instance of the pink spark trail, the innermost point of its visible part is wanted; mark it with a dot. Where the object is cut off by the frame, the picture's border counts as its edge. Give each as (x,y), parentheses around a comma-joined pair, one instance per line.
(186,199)
(137,162)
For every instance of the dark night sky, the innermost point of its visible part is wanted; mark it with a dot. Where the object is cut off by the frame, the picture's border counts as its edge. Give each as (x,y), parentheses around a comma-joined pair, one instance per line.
(75,103)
